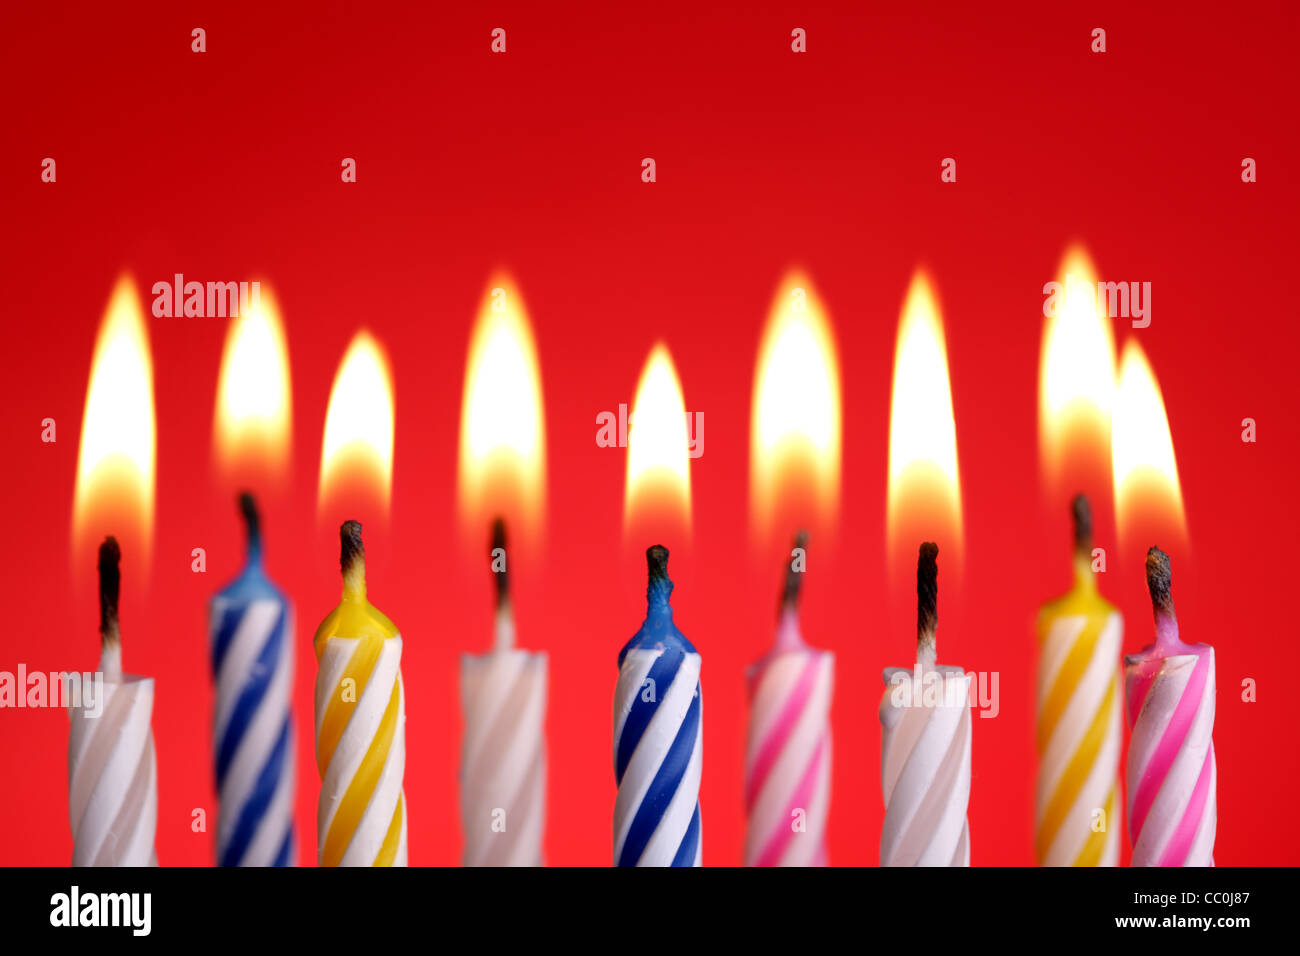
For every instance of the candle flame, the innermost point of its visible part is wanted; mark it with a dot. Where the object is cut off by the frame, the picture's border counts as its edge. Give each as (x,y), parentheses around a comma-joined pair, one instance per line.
(254,414)
(1148,496)
(502,435)
(1076,376)
(658,470)
(795,426)
(358,441)
(924,496)
(115,464)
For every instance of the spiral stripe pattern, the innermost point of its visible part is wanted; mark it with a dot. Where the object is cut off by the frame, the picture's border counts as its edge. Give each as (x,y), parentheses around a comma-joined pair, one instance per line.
(252,660)
(361,753)
(503,758)
(658,758)
(925,770)
(113,778)
(1172,774)
(787,768)
(1079,736)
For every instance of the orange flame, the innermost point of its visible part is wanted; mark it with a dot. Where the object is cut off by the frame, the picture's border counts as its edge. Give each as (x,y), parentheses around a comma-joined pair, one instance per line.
(357,447)
(658,471)
(1148,496)
(1076,381)
(924,492)
(795,432)
(502,431)
(252,425)
(115,464)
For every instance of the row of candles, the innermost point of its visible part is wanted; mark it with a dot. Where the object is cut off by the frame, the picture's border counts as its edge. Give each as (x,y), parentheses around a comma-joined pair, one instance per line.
(657,723)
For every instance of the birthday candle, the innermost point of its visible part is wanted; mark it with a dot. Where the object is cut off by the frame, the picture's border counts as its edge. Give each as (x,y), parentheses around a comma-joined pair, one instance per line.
(1079,638)
(252,663)
(925,754)
(360,725)
(503,754)
(112,770)
(788,763)
(658,736)
(1172,775)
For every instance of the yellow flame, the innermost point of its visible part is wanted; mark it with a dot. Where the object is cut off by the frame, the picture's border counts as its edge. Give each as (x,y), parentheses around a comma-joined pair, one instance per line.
(358,437)
(254,412)
(924,487)
(1076,373)
(502,435)
(115,464)
(658,469)
(1142,455)
(795,425)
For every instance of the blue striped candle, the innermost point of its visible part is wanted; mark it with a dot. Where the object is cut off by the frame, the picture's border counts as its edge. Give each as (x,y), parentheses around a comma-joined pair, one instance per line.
(252,663)
(658,736)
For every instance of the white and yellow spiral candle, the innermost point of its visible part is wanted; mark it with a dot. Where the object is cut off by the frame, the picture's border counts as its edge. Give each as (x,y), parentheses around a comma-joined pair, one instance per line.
(1079,732)
(360,725)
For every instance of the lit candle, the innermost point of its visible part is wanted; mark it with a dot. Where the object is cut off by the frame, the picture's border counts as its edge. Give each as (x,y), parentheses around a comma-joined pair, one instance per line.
(252,663)
(658,736)
(788,761)
(112,769)
(1172,775)
(503,754)
(925,754)
(360,725)
(1079,638)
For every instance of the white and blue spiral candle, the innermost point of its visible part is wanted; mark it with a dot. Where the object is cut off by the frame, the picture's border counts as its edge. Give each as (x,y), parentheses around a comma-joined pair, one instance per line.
(658,736)
(252,664)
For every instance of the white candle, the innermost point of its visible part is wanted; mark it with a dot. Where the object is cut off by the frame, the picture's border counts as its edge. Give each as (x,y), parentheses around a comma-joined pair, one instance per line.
(503,751)
(112,769)
(925,754)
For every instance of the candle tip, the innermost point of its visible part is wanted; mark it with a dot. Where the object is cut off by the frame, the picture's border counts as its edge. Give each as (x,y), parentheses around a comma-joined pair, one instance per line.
(110,588)
(252,521)
(497,554)
(352,553)
(927,597)
(794,573)
(1082,512)
(1160,582)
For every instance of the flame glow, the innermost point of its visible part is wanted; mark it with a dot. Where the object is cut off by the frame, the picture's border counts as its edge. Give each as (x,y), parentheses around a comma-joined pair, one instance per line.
(658,469)
(1148,496)
(795,428)
(1076,374)
(253,420)
(924,497)
(115,464)
(358,441)
(502,435)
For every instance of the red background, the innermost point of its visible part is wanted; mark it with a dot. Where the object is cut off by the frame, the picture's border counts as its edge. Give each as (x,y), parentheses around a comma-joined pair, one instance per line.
(226,166)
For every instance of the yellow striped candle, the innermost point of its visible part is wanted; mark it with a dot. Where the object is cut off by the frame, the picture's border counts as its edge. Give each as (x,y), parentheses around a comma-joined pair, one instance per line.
(1079,700)
(360,725)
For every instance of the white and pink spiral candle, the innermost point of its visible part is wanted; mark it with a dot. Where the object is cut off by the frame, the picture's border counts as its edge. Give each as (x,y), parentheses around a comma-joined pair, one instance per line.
(788,758)
(925,752)
(112,769)
(1172,775)
(503,754)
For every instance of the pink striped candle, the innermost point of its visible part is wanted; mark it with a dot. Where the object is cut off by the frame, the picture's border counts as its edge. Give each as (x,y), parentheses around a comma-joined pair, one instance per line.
(788,762)
(1171,779)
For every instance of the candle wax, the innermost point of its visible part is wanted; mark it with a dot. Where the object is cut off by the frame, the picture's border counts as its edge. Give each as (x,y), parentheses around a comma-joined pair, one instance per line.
(1079,732)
